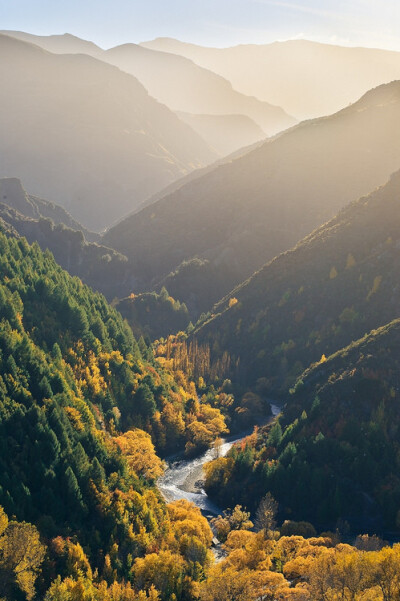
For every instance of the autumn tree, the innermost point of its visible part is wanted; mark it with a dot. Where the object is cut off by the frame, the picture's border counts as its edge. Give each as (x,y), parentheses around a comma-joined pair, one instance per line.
(266,514)
(226,583)
(84,589)
(164,570)
(231,519)
(217,447)
(186,518)
(386,572)
(139,450)
(208,425)
(21,555)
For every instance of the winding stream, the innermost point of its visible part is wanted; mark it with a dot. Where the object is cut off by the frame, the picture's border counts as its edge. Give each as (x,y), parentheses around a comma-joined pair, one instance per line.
(181,478)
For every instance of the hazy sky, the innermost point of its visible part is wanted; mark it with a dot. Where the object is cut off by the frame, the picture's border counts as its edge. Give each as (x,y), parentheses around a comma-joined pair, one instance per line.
(210,22)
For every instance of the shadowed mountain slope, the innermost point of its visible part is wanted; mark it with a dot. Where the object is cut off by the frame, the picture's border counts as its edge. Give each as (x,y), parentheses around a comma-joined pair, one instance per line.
(102,268)
(245,212)
(337,284)
(193,175)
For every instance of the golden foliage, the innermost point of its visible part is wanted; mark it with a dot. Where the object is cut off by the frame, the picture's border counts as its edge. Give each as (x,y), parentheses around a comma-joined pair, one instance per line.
(75,418)
(21,555)
(83,589)
(225,583)
(163,571)
(140,453)
(204,429)
(186,518)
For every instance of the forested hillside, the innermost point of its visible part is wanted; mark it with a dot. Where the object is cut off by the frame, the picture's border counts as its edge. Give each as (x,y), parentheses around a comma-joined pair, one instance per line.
(337,284)
(154,315)
(105,269)
(74,247)
(75,385)
(334,453)
(84,518)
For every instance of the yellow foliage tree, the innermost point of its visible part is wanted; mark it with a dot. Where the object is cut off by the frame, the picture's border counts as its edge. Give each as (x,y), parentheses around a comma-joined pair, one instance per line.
(139,450)
(208,425)
(164,570)
(226,583)
(386,572)
(83,589)
(186,518)
(21,555)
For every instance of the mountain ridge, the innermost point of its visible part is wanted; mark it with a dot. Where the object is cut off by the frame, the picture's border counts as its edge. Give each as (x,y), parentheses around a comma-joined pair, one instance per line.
(291,184)
(307,78)
(337,284)
(82,100)
(184,86)
(60,44)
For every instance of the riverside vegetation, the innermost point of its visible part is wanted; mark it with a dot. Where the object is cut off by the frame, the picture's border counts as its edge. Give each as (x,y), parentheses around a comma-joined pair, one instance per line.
(85,406)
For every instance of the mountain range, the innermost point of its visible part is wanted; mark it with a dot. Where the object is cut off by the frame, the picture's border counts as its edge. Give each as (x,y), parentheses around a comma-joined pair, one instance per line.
(251,280)
(241,214)
(306,78)
(184,87)
(105,136)
(58,44)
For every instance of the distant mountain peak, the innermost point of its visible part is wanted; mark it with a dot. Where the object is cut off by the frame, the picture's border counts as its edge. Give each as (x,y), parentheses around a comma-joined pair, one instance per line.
(64,43)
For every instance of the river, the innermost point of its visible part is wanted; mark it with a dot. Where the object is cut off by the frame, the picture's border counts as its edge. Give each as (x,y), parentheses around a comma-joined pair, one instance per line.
(182,478)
